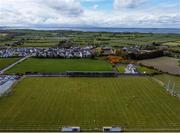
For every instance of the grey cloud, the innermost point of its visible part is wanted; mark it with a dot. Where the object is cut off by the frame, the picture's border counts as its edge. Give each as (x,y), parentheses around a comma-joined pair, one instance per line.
(119,4)
(65,7)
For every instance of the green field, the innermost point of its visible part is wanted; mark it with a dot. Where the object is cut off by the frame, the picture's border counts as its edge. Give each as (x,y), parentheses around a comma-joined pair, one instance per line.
(4,62)
(134,103)
(177,43)
(60,65)
(39,38)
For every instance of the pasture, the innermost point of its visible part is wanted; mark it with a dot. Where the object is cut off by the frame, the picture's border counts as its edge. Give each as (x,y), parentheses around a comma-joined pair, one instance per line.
(4,62)
(60,65)
(47,104)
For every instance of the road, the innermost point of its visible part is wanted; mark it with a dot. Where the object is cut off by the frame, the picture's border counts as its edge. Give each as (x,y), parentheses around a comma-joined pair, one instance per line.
(12,65)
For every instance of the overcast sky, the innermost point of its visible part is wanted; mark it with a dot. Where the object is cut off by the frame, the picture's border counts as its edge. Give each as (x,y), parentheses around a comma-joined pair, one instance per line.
(96,13)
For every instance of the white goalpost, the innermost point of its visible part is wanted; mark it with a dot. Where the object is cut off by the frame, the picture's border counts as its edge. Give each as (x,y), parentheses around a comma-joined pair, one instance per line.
(170,87)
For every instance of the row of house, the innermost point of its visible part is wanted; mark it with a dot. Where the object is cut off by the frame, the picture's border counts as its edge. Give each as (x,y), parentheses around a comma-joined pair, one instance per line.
(18,52)
(72,52)
(79,52)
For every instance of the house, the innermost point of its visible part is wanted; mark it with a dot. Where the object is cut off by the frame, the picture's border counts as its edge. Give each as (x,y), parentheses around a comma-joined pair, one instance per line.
(131,69)
(107,51)
(125,49)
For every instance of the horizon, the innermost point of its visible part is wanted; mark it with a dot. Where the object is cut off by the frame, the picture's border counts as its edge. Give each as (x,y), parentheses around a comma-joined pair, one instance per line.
(100,29)
(90,13)
(83,27)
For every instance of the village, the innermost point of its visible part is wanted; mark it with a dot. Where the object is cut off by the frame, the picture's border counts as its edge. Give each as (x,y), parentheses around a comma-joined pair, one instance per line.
(130,52)
(124,58)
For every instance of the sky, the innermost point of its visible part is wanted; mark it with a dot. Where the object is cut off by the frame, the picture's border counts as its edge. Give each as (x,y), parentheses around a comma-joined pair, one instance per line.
(91,13)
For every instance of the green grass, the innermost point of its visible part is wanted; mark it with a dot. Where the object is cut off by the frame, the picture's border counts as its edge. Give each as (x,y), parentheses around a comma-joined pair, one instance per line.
(38,44)
(60,65)
(143,69)
(134,103)
(121,68)
(177,43)
(4,62)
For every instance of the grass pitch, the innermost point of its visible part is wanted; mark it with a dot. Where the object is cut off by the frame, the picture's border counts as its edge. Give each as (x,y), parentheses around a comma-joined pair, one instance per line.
(4,62)
(134,103)
(60,65)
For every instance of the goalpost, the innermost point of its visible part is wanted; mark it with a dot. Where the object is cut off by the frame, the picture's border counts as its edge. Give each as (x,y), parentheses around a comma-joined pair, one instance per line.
(171,87)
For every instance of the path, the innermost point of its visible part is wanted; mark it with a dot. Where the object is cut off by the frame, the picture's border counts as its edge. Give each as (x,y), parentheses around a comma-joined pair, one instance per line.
(12,65)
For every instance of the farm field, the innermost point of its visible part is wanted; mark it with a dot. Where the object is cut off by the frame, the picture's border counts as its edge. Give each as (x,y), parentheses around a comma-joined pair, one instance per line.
(165,64)
(4,62)
(34,38)
(47,104)
(60,65)
(37,44)
(176,43)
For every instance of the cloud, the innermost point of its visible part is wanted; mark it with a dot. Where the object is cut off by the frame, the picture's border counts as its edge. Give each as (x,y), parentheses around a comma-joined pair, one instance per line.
(119,4)
(92,1)
(95,6)
(73,13)
(27,12)
(67,7)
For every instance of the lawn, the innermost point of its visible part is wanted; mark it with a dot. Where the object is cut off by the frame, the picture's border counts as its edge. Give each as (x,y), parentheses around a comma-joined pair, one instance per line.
(134,103)
(4,62)
(60,65)
(121,68)
(143,69)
